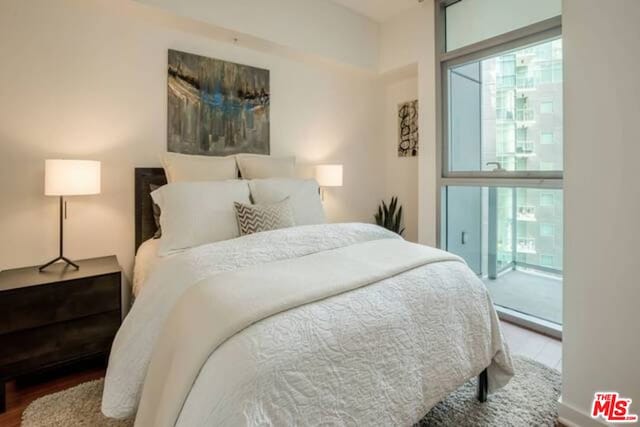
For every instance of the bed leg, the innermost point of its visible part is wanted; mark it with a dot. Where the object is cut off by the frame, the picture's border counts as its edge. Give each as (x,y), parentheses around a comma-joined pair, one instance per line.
(483,386)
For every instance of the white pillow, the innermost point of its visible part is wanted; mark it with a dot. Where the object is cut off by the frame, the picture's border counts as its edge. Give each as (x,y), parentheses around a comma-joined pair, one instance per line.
(195,213)
(303,195)
(187,167)
(256,166)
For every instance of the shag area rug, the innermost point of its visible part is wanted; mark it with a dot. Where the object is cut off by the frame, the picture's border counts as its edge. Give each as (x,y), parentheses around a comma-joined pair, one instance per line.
(530,399)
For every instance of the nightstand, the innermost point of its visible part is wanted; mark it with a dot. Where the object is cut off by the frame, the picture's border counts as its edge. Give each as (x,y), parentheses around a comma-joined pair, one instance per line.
(58,316)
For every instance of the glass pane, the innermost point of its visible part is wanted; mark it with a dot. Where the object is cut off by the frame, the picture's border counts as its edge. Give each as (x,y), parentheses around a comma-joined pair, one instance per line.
(471,21)
(511,238)
(507,110)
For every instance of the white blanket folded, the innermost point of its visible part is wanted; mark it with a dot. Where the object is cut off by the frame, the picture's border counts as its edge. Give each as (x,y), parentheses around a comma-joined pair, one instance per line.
(219,307)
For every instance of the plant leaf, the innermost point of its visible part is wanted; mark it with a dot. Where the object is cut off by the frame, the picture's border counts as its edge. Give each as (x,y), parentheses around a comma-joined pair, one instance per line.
(386,217)
(398,222)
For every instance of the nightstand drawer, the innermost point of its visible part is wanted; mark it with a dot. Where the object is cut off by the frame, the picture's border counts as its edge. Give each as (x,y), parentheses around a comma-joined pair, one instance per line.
(42,305)
(57,343)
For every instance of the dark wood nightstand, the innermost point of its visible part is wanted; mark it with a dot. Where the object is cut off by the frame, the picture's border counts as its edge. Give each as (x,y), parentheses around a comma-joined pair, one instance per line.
(57,316)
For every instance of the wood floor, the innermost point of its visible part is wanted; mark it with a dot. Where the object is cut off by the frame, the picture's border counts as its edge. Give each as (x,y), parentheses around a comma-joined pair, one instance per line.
(542,348)
(521,341)
(20,395)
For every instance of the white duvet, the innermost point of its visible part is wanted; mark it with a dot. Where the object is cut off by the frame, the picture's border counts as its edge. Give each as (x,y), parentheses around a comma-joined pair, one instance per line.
(380,354)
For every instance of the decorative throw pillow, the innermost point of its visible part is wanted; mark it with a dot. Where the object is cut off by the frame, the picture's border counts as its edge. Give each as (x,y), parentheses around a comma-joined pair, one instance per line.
(196,213)
(156,213)
(257,218)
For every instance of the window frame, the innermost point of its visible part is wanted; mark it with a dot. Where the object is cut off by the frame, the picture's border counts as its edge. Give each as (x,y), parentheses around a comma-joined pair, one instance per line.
(514,40)
(548,29)
(545,30)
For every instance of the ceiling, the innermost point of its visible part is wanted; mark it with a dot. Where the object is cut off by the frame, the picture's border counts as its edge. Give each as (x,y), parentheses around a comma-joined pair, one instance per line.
(378,10)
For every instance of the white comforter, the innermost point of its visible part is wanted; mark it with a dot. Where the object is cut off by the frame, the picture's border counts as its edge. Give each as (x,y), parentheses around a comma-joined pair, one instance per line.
(381,354)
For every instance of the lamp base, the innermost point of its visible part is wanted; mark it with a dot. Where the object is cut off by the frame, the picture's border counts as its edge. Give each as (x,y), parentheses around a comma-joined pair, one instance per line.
(65,259)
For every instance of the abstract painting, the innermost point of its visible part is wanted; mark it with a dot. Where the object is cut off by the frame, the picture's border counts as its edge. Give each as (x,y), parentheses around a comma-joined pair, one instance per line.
(215,107)
(408,129)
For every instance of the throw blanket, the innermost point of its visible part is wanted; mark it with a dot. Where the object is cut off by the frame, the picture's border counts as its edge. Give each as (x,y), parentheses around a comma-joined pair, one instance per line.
(220,307)
(380,354)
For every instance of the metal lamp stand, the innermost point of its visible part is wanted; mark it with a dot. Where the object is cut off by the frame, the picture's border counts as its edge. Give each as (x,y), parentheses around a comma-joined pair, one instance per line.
(61,256)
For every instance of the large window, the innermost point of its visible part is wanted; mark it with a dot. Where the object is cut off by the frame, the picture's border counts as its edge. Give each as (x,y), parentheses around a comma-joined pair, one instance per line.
(501,201)
(501,120)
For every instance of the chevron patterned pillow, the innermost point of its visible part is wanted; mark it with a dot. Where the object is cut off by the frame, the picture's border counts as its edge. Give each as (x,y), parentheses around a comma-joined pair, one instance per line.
(257,218)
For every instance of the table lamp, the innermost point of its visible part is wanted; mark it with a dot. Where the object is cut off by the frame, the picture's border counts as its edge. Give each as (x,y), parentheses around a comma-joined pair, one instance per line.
(328,176)
(69,178)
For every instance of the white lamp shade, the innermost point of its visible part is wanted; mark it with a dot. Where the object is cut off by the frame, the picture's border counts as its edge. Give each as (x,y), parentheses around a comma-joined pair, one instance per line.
(71,177)
(329,175)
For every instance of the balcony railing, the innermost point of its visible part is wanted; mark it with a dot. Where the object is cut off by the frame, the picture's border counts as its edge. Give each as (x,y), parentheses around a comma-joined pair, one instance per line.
(524,147)
(525,83)
(526,246)
(524,115)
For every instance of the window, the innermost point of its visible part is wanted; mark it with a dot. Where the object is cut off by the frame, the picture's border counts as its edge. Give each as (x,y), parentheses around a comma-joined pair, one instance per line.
(546,166)
(526,213)
(556,72)
(521,163)
(504,104)
(546,107)
(527,246)
(544,73)
(547,230)
(521,133)
(505,138)
(500,177)
(547,199)
(546,138)
(493,119)
(506,71)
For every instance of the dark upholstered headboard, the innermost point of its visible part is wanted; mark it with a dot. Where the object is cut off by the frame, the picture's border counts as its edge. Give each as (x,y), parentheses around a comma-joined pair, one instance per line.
(145,224)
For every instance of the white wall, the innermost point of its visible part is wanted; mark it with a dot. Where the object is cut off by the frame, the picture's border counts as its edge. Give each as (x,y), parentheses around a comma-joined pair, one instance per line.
(87,79)
(399,41)
(427,172)
(407,43)
(320,27)
(601,345)
(401,173)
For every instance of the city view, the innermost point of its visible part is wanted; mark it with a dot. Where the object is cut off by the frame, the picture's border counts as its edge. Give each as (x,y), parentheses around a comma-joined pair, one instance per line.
(506,115)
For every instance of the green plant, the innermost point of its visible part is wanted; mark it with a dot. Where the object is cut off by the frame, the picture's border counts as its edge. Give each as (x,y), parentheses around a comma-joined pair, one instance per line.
(388,218)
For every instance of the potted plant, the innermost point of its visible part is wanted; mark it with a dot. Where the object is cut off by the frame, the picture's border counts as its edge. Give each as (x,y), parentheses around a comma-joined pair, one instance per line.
(389,218)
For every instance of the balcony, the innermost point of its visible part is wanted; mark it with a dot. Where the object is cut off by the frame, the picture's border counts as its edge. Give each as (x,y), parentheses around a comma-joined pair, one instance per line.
(517,253)
(524,148)
(525,84)
(529,292)
(525,115)
(526,213)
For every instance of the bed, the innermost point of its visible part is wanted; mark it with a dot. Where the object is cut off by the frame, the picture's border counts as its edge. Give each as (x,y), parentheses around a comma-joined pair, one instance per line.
(340,324)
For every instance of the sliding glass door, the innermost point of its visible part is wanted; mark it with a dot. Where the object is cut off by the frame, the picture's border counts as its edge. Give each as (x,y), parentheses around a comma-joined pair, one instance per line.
(501,172)
(512,238)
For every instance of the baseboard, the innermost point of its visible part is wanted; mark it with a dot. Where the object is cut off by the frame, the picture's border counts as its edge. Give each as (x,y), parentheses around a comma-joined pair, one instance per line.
(572,417)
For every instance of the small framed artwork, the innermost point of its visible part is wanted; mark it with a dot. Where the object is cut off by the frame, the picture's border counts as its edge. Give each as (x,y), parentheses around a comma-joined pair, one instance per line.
(408,129)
